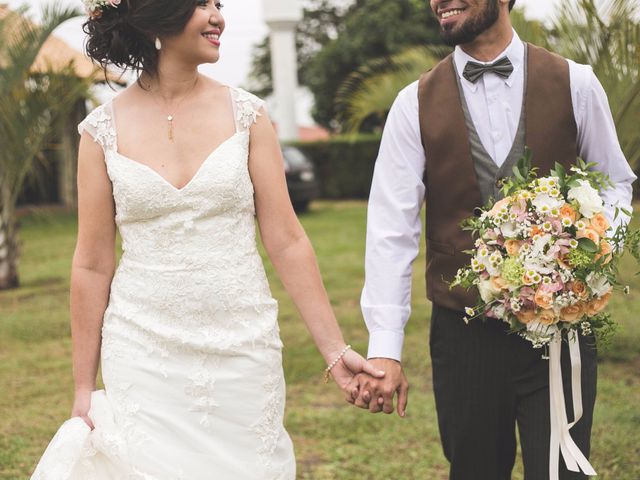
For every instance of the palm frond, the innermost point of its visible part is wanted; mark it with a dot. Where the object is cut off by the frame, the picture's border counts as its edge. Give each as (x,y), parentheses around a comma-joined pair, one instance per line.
(370,91)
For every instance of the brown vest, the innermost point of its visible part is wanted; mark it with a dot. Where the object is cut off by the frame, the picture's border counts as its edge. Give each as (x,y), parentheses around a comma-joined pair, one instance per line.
(452,191)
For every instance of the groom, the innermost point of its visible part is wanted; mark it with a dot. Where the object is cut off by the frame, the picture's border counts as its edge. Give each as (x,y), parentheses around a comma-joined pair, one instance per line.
(450,139)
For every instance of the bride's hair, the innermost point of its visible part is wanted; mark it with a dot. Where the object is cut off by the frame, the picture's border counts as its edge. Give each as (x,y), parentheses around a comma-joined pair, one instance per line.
(511,4)
(124,34)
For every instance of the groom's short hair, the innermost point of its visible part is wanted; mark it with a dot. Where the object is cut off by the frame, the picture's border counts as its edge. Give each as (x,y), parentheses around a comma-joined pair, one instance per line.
(511,4)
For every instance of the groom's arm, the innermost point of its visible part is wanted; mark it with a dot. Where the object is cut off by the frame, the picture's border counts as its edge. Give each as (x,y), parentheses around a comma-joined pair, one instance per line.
(393,228)
(598,140)
(393,239)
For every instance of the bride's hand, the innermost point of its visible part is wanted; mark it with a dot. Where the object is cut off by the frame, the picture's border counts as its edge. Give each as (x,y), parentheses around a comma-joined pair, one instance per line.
(350,365)
(81,406)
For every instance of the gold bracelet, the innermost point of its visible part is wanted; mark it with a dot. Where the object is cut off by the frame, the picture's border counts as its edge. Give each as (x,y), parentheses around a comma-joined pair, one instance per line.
(327,371)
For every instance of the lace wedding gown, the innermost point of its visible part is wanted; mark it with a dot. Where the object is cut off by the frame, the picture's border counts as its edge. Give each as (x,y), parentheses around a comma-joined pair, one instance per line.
(191,354)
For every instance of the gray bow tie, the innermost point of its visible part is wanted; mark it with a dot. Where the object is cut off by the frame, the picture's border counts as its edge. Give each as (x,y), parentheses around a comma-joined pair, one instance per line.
(473,70)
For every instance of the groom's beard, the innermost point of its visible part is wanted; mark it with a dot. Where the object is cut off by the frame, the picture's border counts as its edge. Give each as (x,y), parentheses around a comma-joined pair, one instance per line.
(469,30)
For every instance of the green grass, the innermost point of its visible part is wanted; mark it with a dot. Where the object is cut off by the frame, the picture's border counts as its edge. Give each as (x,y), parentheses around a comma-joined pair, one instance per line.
(332,439)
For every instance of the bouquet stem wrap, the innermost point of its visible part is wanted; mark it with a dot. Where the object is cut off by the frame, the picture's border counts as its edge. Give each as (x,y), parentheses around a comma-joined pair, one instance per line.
(561,441)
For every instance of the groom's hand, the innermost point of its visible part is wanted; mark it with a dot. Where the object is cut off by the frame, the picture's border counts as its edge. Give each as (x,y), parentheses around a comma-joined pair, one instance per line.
(376,394)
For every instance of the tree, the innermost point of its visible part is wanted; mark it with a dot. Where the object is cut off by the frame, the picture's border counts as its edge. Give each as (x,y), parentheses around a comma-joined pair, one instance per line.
(333,42)
(607,37)
(30,105)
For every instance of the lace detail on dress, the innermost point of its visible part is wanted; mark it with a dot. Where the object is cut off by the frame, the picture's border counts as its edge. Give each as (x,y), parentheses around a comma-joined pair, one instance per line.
(247,108)
(269,427)
(98,123)
(201,387)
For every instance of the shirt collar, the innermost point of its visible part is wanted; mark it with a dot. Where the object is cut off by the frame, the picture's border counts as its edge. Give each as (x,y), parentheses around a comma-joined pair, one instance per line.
(515,52)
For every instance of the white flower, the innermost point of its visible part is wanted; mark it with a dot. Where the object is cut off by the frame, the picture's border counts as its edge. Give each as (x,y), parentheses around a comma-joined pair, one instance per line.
(93,6)
(587,197)
(544,203)
(469,311)
(488,292)
(598,284)
(515,305)
(509,229)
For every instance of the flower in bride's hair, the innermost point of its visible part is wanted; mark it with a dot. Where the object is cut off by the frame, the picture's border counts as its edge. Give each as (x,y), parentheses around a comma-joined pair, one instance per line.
(95,7)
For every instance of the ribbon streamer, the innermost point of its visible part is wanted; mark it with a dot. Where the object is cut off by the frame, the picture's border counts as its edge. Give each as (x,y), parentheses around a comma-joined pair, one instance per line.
(561,441)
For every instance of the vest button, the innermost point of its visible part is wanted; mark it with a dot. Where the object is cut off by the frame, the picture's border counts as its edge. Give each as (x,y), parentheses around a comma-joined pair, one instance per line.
(477,211)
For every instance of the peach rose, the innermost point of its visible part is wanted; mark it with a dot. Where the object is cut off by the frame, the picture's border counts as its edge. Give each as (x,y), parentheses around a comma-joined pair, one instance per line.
(572,313)
(579,288)
(526,316)
(567,211)
(597,305)
(499,205)
(499,283)
(589,233)
(543,299)
(599,223)
(512,246)
(605,251)
(535,230)
(547,317)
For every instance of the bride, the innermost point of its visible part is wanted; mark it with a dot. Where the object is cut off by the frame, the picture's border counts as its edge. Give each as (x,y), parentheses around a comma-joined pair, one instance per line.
(185,328)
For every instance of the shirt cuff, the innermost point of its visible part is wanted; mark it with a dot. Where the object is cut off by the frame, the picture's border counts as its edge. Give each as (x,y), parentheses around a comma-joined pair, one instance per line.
(386,344)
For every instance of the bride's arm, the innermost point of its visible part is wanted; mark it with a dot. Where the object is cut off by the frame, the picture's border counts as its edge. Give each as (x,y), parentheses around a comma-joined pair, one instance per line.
(92,269)
(291,252)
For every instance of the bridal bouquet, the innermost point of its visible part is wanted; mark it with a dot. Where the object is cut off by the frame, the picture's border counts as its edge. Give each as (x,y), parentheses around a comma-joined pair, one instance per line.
(545,260)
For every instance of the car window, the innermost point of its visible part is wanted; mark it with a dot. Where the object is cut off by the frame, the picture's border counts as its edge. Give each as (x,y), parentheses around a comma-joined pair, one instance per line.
(295,158)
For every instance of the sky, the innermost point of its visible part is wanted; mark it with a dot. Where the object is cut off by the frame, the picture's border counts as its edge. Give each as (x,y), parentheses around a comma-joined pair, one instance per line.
(245,28)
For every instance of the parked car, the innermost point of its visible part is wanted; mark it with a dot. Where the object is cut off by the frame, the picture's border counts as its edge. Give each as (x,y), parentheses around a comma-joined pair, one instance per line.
(301,178)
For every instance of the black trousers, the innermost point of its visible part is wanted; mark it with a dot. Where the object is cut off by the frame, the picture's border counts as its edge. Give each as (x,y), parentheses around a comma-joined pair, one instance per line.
(485,383)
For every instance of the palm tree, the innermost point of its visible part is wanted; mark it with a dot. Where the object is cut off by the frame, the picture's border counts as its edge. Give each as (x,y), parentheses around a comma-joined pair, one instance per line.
(30,106)
(605,36)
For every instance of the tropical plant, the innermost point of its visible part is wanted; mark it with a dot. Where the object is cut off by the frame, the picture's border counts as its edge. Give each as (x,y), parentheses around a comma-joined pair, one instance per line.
(30,105)
(604,34)
(365,97)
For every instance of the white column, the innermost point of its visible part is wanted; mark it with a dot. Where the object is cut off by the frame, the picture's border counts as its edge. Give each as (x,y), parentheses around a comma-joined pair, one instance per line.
(282,17)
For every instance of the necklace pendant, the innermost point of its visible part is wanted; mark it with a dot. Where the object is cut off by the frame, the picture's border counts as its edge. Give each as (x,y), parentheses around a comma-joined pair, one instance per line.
(170,120)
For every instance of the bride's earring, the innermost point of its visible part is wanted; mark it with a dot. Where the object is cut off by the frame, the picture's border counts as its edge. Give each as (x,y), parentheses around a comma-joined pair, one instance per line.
(158,44)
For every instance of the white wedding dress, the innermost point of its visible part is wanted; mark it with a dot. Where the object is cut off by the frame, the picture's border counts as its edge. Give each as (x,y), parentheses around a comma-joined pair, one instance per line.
(191,354)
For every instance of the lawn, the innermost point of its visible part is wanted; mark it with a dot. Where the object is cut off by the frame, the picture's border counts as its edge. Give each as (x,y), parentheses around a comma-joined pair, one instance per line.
(332,439)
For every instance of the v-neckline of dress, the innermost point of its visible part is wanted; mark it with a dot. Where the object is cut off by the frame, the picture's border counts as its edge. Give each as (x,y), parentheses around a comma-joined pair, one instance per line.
(112,121)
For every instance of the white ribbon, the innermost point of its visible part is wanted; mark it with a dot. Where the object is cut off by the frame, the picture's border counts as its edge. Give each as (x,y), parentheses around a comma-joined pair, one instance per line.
(561,440)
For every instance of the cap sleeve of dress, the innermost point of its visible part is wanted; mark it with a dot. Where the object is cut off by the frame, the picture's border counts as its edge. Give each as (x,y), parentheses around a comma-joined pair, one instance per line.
(246,108)
(99,125)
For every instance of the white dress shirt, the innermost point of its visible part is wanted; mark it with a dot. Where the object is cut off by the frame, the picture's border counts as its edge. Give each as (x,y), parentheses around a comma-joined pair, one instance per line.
(398,191)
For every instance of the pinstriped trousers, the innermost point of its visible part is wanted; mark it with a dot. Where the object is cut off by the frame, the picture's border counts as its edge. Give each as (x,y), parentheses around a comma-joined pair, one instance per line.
(486,383)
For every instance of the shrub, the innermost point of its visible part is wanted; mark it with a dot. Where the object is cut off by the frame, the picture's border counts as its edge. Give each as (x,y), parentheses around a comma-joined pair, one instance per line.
(344,165)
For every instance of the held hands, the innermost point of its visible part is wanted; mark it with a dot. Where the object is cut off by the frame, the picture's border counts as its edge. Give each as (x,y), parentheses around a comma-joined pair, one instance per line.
(376,394)
(81,406)
(349,365)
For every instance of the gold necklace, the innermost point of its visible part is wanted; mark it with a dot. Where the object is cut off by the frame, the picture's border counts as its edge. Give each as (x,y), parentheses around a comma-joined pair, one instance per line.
(171,116)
